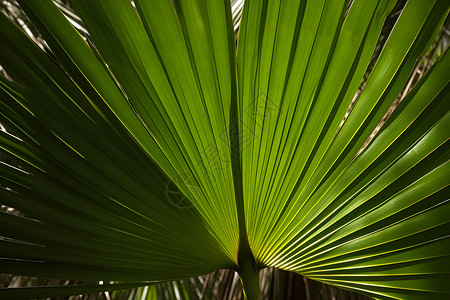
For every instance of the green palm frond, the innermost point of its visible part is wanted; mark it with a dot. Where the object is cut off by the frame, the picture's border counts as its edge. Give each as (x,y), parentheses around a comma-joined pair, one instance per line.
(151,148)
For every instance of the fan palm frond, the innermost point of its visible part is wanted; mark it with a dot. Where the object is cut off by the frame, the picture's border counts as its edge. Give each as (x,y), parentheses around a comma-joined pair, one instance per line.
(149,148)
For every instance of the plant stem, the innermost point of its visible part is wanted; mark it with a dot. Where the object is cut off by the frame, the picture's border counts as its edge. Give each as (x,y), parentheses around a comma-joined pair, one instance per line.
(247,268)
(248,272)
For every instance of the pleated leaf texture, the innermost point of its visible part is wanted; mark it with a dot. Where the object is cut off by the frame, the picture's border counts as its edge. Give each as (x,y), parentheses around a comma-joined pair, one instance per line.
(163,149)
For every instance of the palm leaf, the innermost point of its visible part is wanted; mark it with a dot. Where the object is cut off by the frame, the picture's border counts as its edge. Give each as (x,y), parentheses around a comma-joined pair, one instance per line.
(156,151)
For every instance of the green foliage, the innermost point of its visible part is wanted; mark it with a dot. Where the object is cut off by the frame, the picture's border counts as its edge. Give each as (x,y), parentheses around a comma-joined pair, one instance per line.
(156,150)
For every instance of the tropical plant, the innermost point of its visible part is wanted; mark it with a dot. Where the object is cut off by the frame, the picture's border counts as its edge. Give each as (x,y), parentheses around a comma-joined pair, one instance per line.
(153,150)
